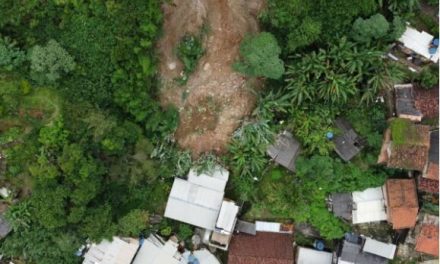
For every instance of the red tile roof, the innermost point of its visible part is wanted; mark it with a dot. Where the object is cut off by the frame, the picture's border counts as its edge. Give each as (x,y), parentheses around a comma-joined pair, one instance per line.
(402,203)
(432,171)
(427,241)
(427,101)
(428,185)
(263,248)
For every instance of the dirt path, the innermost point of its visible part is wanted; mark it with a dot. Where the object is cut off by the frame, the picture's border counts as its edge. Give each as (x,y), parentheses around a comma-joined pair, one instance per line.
(216,99)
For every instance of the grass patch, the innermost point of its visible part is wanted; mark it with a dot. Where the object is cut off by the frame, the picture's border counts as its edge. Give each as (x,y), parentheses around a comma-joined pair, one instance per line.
(403,132)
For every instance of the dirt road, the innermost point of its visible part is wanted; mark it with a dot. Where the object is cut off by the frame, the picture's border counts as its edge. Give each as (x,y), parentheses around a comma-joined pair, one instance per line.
(216,99)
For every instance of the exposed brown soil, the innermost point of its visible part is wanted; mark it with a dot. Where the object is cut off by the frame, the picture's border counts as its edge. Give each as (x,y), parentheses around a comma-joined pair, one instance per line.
(215,99)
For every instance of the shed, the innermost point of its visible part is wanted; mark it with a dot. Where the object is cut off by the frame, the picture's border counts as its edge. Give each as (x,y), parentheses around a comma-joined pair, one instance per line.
(341,205)
(378,248)
(369,206)
(419,42)
(246,227)
(312,256)
(431,170)
(5,228)
(117,251)
(401,202)
(285,150)
(197,201)
(348,144)
(405,103)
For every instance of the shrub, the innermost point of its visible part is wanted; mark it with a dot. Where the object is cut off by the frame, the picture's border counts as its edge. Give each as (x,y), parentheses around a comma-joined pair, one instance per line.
(11,57)
(134,222)
(428,77)
(260,57)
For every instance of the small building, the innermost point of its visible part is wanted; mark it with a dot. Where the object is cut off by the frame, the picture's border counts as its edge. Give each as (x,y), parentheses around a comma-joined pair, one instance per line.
(312,256)
(199,201)
(285,150)
(246,227)
(357,249)
(405,103)
(421,43)
(359,207)
(401,202)
(117,251)
(405,145)
(348,144)
(262,248)
(428,240)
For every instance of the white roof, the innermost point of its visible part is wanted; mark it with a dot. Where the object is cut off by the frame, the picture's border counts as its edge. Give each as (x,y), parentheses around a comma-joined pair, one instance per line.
(155,252)
(194,204)
(117,251)
(227,216)
(311,256)
(267,226)
(369,206)
(379,248)
(203,255)
(215,180)
(418,42)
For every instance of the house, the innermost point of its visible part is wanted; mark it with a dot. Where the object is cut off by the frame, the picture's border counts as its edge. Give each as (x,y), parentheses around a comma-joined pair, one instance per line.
(405,145)
(312,256)
(262,248)
(427,241)
(285,150)
(155,250)
(413,41)
(359,207)
(348,144)
(199,201)
(401,202)
(117,251)
(405,103)
(357,249)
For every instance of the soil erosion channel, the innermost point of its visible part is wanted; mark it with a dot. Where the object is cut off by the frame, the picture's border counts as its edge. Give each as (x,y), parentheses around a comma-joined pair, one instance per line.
(215,99)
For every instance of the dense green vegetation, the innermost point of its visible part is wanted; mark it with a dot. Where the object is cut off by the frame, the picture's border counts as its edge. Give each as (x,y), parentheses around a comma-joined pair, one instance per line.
(89,153)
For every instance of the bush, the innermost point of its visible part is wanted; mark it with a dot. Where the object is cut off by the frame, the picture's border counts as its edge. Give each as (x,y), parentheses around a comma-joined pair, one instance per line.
(11,57)
(428,77)
(260,57)
(189,51)
(365,30)
(133,223)
(48,63)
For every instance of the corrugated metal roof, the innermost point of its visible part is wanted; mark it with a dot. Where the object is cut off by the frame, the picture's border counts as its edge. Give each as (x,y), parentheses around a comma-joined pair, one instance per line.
(267,226)
(117,251)
(379,248)
(155,251)
(419,42)
(369,206)
(246,227)
(194,204)
(203,255)
(216,180)
(227,217)
(311,256)
(285,150)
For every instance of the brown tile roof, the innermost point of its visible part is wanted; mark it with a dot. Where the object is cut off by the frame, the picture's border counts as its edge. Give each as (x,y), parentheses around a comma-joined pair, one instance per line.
(428,185)
(427,101)
(263,248)
(432,171)
(427,241)
(414,154)
(402,203)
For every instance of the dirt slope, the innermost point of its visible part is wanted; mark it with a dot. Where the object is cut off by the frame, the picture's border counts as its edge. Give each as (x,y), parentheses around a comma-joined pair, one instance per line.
(216,99)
